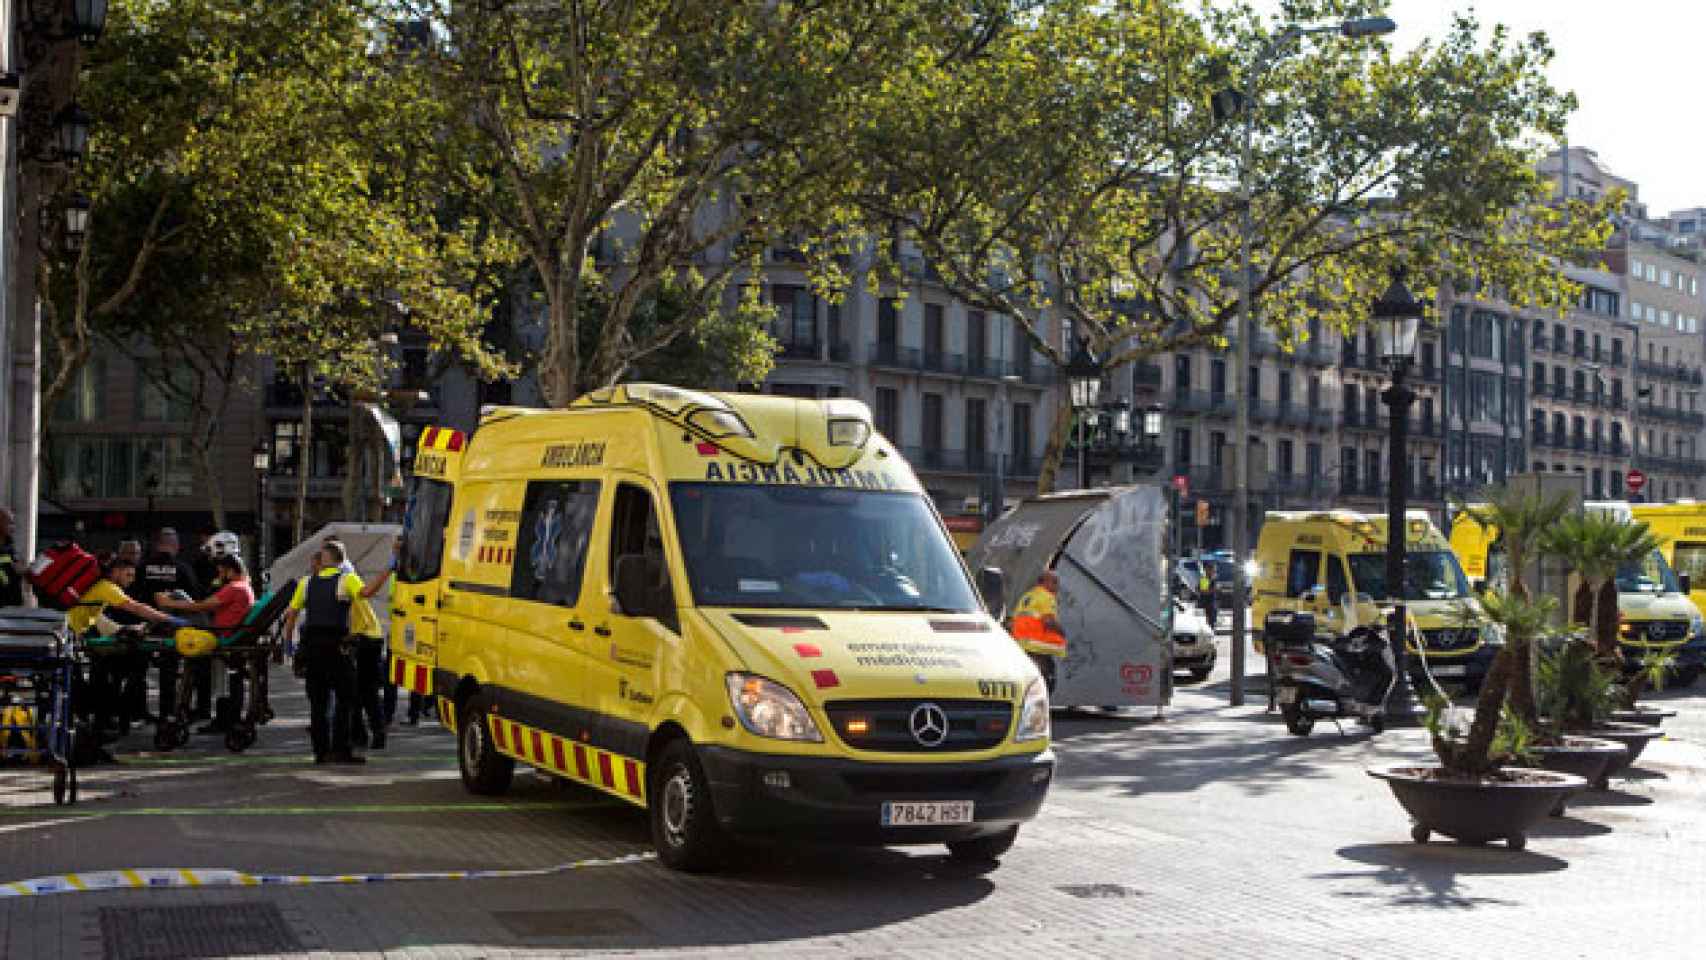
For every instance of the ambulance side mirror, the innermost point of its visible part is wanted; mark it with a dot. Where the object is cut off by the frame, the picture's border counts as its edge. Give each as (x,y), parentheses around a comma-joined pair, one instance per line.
(637,585)
(1479,586)
(992,586)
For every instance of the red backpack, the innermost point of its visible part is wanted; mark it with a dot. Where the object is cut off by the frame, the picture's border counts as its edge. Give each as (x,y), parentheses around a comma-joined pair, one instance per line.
(62,573)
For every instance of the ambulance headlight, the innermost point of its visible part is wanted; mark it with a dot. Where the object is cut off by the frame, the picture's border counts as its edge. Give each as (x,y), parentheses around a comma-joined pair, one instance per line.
(1033,714)
(769,709)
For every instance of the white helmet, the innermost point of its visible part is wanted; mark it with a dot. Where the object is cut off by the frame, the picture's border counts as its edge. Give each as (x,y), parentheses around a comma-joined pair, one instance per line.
(224,544)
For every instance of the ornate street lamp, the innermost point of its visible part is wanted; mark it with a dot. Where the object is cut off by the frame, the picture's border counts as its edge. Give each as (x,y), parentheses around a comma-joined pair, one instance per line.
(1152,422)
(1084,381)
(88,20)
(76,220)
(73,127)
(263,467)
(1398,320)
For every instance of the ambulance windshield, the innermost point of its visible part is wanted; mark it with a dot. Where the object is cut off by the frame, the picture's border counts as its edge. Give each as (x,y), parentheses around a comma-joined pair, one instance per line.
(751,545)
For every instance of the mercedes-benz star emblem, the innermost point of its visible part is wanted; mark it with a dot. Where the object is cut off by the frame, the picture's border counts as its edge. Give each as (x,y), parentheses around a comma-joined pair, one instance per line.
(929,725)
(1656,630)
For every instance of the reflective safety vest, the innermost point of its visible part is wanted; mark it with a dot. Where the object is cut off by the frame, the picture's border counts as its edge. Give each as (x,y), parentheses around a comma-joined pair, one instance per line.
(1034,620)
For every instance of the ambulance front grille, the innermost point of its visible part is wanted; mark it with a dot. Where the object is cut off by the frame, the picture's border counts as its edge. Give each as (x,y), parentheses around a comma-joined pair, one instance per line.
(887,725)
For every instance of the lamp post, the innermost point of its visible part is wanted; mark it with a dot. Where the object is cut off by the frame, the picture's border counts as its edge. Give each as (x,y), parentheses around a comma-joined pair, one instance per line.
(1398,319)
(1226,103)
(1084,381)
(263,529)
(76,221)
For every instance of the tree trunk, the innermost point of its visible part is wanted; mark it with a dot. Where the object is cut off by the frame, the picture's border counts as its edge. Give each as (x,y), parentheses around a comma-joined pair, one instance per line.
(203,455)
(1469,757)
(1522,685)
(1055,451)
(304,456)
(352,462)
(559,368)
(1605,633)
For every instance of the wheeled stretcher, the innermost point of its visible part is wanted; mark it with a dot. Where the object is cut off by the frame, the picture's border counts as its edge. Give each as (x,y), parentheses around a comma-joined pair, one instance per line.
(39,664)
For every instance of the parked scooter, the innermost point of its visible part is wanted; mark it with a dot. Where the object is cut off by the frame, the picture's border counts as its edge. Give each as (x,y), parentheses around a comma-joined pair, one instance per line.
(1323,678)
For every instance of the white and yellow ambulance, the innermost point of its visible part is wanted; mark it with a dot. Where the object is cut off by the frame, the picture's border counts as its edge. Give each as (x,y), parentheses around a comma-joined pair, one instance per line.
(741,613)
(1333,563)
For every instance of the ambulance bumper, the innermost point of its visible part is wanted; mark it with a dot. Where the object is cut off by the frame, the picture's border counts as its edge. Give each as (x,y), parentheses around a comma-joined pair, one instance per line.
(838,800)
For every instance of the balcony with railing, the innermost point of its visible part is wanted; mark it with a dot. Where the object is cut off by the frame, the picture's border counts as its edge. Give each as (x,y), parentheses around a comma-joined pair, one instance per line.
(1362,420)
(1146,374)
(1678,372)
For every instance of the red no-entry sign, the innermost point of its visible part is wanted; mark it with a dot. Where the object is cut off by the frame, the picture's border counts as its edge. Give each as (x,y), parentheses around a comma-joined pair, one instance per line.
(1635,481)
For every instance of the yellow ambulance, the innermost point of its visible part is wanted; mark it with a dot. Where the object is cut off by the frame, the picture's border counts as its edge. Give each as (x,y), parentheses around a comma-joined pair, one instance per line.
(741,613)
(1681,528)
(1333,563)
(1657,616)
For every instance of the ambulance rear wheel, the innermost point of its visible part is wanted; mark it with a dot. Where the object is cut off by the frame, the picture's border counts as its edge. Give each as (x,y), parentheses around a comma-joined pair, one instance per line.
(685,831)
(983,849)
(485,771)
(1298,722)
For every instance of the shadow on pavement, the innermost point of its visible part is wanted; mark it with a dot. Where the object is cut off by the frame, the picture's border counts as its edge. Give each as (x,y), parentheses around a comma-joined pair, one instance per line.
(1609,798)
(1180,757)
(1430,874)
(1568,826)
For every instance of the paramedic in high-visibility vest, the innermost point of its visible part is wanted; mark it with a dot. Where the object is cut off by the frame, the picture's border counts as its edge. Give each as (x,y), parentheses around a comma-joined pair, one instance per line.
(1036,625)
(324,603)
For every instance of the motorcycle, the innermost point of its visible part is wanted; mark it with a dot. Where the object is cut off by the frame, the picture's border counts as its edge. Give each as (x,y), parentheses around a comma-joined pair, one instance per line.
(1329,677)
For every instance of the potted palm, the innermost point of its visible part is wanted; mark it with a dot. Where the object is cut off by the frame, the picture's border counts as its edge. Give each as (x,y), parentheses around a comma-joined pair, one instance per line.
(1582,678)
(1471,795)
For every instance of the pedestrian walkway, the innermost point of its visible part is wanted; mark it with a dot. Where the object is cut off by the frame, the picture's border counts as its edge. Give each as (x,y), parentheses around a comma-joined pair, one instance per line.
(1208,833)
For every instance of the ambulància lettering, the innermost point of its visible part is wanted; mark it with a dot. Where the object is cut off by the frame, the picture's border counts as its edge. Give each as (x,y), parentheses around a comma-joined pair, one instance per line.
(587,453)
(788,473)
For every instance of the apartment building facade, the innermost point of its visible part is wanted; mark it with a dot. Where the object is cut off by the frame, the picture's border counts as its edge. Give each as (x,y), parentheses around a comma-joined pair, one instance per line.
(1665,285)
(1583,387)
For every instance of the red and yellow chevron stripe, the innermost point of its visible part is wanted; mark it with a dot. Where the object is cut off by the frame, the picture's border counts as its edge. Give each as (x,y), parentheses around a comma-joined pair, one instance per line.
(411,674)
(613,773)
(443,439)
(497,554)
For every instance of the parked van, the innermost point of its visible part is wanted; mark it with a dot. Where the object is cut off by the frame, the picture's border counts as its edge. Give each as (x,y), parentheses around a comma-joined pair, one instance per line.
(741,613)
(1333,564)
(1681,528)
(1656,613)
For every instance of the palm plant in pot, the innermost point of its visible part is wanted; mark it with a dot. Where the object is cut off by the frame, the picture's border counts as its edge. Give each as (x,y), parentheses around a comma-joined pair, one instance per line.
(1598,546)
(1470,796)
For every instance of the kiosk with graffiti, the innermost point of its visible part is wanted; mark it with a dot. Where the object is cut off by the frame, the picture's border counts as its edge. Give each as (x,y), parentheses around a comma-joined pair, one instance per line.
(1086,571)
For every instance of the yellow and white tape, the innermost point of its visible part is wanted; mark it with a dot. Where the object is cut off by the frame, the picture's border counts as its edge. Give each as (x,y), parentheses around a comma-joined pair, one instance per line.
(179,878)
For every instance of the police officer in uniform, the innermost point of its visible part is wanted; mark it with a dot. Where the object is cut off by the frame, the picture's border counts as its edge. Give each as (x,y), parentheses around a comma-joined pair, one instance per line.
(323,602)
(11,578)
(162,573)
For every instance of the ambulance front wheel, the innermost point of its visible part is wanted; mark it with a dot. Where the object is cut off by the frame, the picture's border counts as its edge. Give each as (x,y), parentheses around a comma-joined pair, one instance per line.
(984,849)
(1046,667)
(685,831)
(485,771)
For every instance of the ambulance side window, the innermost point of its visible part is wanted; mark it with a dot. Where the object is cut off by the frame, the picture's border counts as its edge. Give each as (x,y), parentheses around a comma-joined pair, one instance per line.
(423,531)
(634,531)
(550,553)
(1303,573)
(1337,583)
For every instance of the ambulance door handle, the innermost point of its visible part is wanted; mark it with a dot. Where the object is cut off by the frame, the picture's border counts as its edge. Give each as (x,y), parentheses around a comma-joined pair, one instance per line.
(601,631)
(420,601)
(576,625)
(399,612)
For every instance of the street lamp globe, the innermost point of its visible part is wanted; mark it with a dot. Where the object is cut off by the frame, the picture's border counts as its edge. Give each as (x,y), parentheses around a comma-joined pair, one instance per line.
(263,457)
(73,125)
(1084,375)
(88,20)
(1122,419)
(1398,322)
(1367,27)
(1152,421)
(76,220)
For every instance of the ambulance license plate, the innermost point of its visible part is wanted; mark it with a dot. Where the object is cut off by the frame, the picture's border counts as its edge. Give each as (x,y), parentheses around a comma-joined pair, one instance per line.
(929,813)
(1455,670)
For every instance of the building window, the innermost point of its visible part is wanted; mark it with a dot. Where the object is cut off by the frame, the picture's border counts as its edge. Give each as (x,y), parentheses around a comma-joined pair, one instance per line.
(1284,395)
(1181,447)
(1371,461)
(935,336)
(888,323)
(1217,378)
(1635,268)
(1348,466)
(1312,461)
(1182,374)
(931,411)
(1283,454)
(1022,432)
(1664,278)
(796,319)
(117,468)
(975,425)
(84,400)
(888,413)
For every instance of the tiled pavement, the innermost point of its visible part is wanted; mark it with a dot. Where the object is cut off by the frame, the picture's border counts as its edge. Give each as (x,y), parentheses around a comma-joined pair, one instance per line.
(1210,833)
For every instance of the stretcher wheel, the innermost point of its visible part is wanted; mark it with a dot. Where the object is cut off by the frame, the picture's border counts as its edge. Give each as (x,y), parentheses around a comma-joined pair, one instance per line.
(171,735)
(64,784)
(240,738)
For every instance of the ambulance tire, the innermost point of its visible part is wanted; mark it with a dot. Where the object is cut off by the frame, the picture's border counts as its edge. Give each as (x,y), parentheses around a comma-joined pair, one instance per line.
(984,849)
(485,771)
(685,831)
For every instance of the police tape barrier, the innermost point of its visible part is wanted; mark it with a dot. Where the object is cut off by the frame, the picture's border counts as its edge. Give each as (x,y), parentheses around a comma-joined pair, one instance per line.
(181,878)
